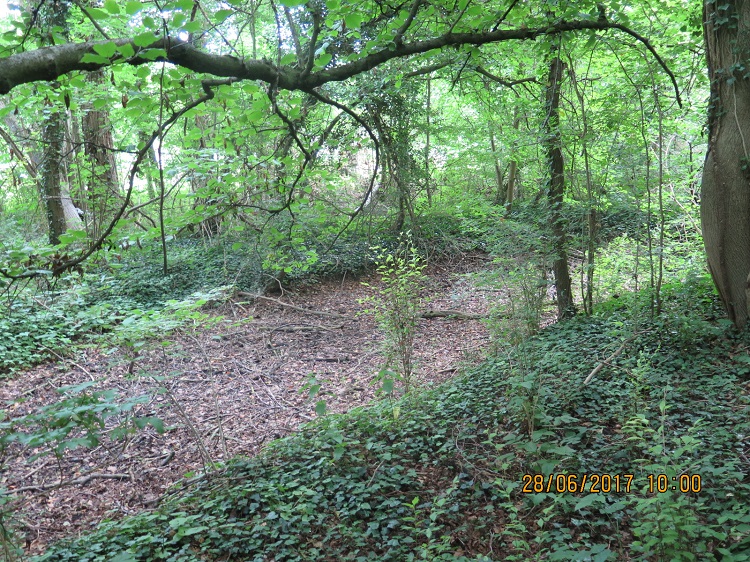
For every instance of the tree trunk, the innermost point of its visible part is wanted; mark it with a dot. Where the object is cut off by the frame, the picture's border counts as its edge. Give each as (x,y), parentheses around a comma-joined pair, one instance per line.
(500,193)
(60,211)
(565,305)
(512,168)
(725,189)
(51,171)
(103,184)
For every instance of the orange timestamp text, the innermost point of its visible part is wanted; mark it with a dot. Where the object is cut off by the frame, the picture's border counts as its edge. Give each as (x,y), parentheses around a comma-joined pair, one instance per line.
(607,483)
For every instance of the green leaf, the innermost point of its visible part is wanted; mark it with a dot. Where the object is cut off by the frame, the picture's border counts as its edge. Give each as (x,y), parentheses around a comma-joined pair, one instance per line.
(96,59)
(124,557)
(112,6)
(106,50)
(293,3)
(98,14)
(323,60)
(192,26)
(587,500)
(154,422)
(387,386)
(353,21)
(153,54)
(320,408)
(132,8)
(145,39)
(289,58)
(126,50)
(221,15)
(193,530)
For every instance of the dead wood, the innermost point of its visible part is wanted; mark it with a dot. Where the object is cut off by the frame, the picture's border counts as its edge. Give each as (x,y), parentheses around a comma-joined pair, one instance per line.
(297,308)
(448,313)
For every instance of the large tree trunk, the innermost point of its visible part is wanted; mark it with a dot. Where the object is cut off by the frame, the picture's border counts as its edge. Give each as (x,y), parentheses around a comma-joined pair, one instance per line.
(565,306)
(61,212)
(725,189)
(99,148)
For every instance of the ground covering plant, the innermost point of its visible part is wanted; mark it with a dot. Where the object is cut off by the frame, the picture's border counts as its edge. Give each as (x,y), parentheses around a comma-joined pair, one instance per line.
(462,473)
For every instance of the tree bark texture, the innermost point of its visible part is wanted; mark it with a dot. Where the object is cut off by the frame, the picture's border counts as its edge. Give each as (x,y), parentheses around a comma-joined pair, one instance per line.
(565,305)
(51,171)
(725,187)
(103,184)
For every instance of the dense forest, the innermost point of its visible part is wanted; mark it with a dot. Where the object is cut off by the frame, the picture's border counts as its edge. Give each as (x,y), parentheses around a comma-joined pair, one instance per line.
(420,280)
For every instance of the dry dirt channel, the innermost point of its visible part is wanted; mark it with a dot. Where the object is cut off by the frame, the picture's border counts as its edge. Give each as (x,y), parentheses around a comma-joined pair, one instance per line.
(230,388)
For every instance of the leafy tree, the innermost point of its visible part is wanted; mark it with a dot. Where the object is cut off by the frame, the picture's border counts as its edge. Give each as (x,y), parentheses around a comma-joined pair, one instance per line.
(298,56)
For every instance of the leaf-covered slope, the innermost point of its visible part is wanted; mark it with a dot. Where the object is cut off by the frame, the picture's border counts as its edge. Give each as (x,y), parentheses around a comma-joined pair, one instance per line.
(440,475)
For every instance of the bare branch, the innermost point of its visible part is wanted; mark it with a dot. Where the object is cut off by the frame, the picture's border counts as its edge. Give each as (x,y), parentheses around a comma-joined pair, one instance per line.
(399,37)
(91,19)
(428,69)
(376,143)
(295,33)
(505,15)
(313,41)
(506,83)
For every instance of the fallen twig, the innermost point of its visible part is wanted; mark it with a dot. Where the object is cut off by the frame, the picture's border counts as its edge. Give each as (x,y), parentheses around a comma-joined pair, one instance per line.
(601,364)
(75,482)
(450,314)
(297,308)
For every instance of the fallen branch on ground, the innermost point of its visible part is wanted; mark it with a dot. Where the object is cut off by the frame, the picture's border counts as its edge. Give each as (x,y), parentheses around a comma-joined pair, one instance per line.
(619,350)
(451,314)
(297,308)
(75,482)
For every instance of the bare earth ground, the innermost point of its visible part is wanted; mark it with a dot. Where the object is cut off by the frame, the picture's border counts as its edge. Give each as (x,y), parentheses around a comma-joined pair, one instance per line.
(230,388)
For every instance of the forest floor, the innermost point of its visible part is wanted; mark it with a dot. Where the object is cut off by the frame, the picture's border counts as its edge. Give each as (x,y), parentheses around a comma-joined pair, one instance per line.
(228,389)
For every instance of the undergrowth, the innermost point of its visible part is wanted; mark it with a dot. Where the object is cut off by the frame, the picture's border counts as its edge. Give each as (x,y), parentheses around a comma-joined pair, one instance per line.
(486,467)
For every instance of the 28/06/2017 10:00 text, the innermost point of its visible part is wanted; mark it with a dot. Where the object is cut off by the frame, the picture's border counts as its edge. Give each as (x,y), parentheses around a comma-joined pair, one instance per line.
(607,483)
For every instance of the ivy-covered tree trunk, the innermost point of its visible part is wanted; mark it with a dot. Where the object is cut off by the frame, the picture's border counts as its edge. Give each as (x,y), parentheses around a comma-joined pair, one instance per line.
(725,188)
(103,185)
(393,127)
(565,305)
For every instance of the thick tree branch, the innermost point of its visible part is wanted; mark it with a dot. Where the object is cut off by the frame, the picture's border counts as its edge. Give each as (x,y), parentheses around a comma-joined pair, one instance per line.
(50,63)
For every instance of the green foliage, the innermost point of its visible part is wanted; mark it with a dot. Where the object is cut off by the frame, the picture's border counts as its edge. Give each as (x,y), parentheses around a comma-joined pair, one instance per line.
(397,303)
(77,420)
(444,479)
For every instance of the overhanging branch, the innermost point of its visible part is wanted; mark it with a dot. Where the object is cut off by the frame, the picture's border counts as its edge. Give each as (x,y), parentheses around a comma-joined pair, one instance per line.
(50,63)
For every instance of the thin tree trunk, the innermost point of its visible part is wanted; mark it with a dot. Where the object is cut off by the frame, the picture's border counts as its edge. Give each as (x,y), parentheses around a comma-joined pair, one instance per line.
(427,145)
(512,169)
(565,306)
(500,193)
